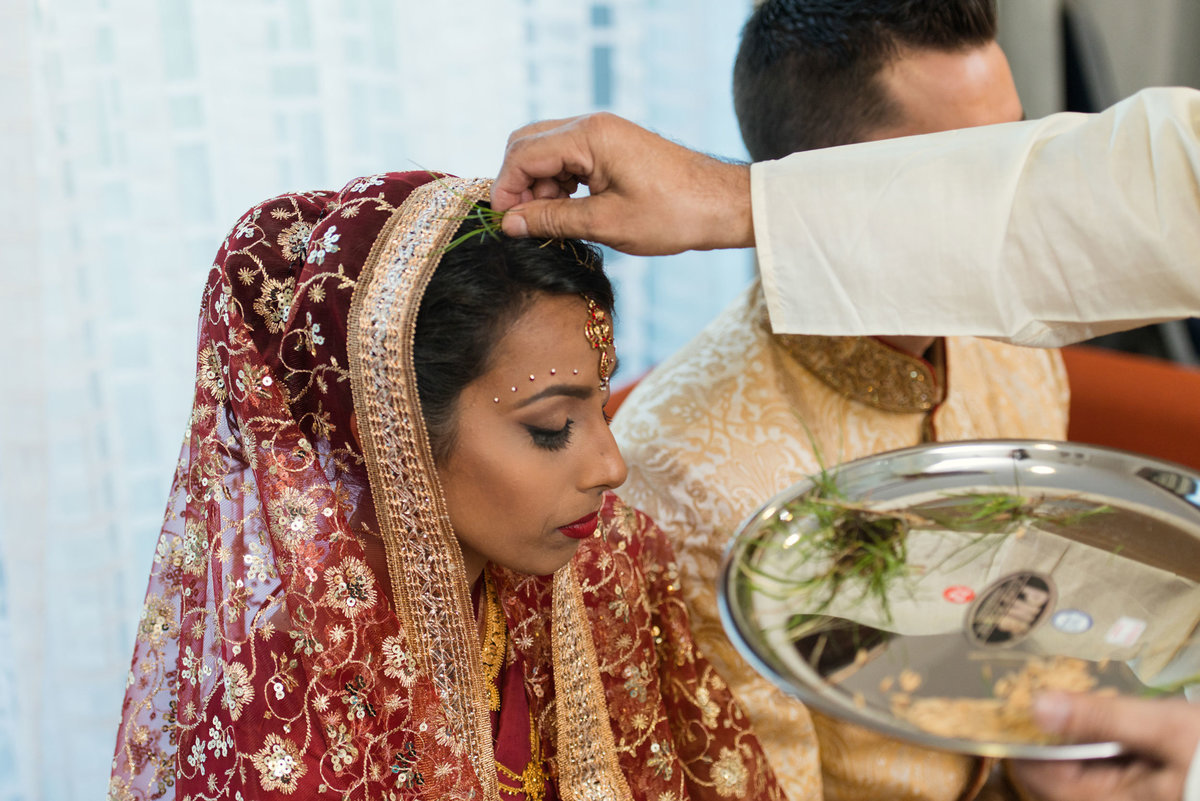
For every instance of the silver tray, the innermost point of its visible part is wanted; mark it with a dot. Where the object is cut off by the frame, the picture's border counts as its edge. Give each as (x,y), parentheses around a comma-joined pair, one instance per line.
(1107,571)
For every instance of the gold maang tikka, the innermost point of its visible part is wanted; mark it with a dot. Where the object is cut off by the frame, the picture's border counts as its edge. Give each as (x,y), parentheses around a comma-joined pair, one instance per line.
(599,333)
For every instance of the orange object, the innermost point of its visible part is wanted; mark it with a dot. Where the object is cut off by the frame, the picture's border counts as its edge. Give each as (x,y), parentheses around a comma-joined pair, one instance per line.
(619,395)
(1137,403)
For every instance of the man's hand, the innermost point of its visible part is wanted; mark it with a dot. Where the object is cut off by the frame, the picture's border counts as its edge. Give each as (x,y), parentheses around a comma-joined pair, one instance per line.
(649,196)
(1161,735)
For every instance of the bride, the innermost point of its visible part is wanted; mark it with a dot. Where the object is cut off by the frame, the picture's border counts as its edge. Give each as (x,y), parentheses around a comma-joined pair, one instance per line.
(391,565)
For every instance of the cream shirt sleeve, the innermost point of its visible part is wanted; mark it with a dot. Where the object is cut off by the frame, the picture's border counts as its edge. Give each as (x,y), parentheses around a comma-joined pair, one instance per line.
(1040,233)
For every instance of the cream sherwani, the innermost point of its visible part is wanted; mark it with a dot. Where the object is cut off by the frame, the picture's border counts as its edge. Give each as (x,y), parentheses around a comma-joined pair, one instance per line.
(1043,232)
(740,414)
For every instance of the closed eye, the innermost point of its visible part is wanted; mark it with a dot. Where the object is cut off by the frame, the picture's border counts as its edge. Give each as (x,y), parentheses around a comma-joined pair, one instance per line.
(551,439)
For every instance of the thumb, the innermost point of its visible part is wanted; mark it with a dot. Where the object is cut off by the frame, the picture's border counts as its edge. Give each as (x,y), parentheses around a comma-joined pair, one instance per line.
(1133,722)
(557,218)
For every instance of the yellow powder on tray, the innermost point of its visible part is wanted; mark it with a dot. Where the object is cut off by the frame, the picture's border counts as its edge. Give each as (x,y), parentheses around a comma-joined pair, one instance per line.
(1008,716)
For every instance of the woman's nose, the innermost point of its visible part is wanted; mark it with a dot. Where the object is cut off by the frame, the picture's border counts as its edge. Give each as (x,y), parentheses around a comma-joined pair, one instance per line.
(607,467)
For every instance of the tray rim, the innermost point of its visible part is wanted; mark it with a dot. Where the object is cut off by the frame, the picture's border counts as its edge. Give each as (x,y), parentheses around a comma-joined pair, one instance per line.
(730,619)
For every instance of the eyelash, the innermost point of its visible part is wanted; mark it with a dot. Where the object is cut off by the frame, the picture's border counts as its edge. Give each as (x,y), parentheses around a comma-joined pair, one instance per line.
(551,439)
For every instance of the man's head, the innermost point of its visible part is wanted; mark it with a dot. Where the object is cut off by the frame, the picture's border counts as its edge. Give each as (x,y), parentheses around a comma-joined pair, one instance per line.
(818,73)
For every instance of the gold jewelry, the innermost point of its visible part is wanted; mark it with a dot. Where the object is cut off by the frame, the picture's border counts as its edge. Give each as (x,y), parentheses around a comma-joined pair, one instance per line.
(532,781)
(599,332)
(495,641)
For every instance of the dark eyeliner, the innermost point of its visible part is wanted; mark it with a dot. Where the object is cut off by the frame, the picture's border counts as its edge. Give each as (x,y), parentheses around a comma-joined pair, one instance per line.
(551,439)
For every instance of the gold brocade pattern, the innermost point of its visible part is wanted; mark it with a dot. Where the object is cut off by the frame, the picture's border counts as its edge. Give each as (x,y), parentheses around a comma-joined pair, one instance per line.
(866,370)
(734,418)
(587,761)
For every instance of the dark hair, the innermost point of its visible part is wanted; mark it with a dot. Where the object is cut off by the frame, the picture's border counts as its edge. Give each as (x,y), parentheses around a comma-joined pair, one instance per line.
(805,73)
(477,291)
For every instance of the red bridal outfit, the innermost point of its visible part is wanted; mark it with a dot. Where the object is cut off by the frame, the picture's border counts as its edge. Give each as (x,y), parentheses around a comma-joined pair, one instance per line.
(309,630)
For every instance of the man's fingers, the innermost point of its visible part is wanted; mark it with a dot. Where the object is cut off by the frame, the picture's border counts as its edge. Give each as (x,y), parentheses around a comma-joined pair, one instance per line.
(1134,722)
(533,128)
(548,189)
(1067,781)
(555,151)
(556,218)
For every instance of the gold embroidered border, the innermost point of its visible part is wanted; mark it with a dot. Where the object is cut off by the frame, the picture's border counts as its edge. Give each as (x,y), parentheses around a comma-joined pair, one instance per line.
(868,371)
(587,753)
(429,581)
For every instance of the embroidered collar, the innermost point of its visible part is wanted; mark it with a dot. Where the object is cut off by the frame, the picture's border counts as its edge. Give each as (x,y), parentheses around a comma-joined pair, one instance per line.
(868,371)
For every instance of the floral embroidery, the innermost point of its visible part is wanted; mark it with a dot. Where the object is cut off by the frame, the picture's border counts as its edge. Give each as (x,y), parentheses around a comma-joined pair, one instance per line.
(246,228)
(193,547)
(219,742)
(294,240)
(239,691)
(279,764)
(317,251)
(310,336)
(292,516)
(210,374)
(404,766)
(355,698)
(729,774)
(351,587)
(194,667)
(221,306)
(119,790)
(363,184)
(661,760)
(397,663)
(260,562)
(197,757)
(341,751)
(158,620)
(636,679)
(619,606)
(708,708)
(253,381)
(274,303)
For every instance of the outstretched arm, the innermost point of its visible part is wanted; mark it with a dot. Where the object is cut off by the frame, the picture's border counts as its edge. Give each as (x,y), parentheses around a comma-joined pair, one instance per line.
(1042,232)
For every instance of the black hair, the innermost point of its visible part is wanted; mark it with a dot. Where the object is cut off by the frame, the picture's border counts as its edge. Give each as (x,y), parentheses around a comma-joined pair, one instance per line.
(805,72)
(478,290)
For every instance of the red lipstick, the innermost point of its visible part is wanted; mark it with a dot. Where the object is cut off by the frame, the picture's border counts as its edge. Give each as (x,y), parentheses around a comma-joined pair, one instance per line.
(582,528)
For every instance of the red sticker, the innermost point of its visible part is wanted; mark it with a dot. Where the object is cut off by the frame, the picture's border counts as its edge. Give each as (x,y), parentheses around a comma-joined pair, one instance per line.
(958,594)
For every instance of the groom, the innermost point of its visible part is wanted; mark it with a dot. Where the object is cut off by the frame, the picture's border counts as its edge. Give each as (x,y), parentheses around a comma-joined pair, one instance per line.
(741,413)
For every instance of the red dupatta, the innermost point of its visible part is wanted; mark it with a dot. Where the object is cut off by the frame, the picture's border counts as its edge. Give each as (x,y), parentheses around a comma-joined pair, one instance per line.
(308,627)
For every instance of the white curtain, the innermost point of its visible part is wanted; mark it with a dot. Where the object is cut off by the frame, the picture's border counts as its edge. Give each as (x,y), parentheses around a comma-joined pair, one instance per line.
(132,133)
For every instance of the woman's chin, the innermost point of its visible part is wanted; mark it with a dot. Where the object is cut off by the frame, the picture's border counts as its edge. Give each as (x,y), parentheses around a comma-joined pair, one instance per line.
(547,563)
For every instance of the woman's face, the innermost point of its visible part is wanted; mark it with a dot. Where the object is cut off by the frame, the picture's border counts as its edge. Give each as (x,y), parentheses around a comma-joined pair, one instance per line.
(533,453)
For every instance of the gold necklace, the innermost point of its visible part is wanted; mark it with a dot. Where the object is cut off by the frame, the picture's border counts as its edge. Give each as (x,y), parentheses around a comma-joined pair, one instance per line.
(495,641)
(532,781)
